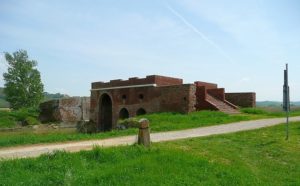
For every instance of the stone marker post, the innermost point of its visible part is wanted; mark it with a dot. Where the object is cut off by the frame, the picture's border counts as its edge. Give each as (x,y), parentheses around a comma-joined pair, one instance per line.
(144,133)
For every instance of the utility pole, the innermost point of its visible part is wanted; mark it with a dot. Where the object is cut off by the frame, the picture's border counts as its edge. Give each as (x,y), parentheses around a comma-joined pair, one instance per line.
(286,99)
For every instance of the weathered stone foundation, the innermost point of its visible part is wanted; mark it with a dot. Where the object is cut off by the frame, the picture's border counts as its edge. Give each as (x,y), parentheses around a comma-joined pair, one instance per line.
(66,110)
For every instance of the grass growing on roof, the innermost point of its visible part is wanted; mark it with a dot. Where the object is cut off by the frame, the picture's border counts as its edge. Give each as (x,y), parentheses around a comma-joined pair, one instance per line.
(258,157)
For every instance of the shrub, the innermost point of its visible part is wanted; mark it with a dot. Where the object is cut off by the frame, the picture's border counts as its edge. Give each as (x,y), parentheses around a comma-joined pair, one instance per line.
(26,116)
(6,120)
(128,123)
(30,121)
(23,113)
(86,127)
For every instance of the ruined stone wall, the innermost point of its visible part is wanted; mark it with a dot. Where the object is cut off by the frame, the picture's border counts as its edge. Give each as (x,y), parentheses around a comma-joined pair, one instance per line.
(242,99)
(49,111)
(67,110)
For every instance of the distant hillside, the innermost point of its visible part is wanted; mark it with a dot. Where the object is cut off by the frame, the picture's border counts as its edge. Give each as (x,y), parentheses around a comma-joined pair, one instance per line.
(274,103)
(268,103)
(47,97)
(2,92)
(3,102)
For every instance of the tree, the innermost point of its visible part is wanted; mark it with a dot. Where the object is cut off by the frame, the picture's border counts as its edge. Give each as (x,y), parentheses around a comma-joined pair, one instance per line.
(23,87)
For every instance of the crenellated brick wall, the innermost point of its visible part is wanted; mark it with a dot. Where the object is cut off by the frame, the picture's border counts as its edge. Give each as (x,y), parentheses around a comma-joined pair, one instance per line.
(242,99)
(153,79)
(119,98)
(206,85)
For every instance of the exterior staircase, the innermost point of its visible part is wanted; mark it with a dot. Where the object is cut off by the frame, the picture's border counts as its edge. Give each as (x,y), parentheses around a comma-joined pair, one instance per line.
(222,106)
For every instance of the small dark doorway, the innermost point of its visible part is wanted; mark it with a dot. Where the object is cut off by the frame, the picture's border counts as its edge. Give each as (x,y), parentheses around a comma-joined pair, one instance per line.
(105,113)
(123,113)
(140,111)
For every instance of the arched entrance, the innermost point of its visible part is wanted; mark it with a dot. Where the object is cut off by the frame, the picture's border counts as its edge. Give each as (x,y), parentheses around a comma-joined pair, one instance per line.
(105,113)
(123,113)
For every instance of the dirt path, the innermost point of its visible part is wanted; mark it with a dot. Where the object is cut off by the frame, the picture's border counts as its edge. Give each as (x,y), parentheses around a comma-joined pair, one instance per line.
(36,150)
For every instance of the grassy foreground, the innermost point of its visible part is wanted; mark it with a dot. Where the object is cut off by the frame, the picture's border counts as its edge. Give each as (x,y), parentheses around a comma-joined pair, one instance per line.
(259,157)
(158,122)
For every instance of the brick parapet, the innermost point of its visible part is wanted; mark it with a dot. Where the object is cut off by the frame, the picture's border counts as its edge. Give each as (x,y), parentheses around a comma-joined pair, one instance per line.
(206,85)
(153,79)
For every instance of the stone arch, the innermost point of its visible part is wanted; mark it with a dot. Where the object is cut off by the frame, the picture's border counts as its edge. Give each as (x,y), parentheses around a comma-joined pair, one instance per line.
(140,111)
(123,114)
(105,113)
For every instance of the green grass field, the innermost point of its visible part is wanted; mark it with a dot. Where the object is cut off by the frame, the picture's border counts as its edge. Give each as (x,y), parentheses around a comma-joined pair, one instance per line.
(10,118)
(158,122)
(258,157)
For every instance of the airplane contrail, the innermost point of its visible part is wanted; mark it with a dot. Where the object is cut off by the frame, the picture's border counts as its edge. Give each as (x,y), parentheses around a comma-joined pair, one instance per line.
(198,32)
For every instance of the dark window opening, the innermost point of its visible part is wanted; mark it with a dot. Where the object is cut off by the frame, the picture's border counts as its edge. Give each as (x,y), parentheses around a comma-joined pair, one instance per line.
(141,96)
(124,97)
(123,114)
(140,111)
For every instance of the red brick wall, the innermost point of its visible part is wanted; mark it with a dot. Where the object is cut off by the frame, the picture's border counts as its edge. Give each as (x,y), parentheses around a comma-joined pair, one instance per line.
(217,93)
(201,103)
(205,84)
(176,98)
(180,98)
(242,99)
(166,81)
(132,102)
(200,96)
(170,95)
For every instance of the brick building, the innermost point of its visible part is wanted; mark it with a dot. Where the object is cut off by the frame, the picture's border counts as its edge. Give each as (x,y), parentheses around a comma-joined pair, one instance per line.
(119,99)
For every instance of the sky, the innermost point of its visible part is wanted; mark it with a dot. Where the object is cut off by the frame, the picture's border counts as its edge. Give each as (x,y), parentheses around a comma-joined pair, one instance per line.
(240,45)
